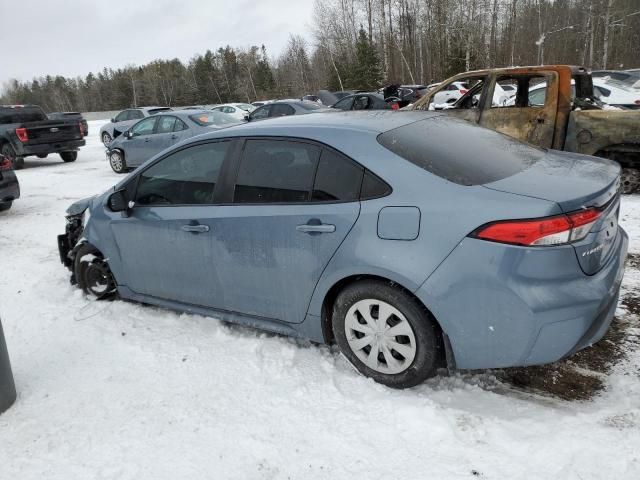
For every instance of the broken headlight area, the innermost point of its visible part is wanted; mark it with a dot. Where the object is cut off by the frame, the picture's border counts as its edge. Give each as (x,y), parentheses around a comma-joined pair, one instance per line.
(68,241)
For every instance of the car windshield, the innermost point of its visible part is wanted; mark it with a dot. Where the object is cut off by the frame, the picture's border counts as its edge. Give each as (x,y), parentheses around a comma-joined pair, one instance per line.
(204,119)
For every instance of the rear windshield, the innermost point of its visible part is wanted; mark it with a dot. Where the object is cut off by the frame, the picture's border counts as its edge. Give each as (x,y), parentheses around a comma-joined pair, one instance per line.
(205,119)
(21,115)
(153,111)
(459,151)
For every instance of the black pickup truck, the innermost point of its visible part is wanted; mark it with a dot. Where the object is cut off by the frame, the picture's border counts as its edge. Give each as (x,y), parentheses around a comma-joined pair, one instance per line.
(25,130)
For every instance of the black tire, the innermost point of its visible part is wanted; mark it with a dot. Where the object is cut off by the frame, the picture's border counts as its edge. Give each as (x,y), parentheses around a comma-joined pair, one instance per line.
(106,138)
(8,151)
(42,155)
(4,206)
(117,162)
(429,353)
(93,274)
(68,156)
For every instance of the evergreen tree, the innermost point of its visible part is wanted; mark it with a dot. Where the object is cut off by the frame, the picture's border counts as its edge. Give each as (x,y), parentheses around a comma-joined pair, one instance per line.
(367,73)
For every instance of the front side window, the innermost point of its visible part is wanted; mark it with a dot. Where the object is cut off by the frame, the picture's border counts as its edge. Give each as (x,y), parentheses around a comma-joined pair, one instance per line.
(281,110)
(344,104)
(275,171)
(122,116)
(361,103)
(259,113)
(186,177)
(144,127)
(135,115)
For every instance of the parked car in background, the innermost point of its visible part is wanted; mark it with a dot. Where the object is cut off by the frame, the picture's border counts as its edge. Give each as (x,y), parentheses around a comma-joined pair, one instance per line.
(410,93)
(449,94)
(382,238)
(26,131)
(70,116)
(366,101)
(630,78)
(9,186)
(259,103)
(239,111)
(617,93)
(281,108)
(311,98)
(159,132)
(125,119)
(576,123)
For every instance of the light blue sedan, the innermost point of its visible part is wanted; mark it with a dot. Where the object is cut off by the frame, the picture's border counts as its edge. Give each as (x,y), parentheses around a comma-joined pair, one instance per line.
(413,240)
(159,132)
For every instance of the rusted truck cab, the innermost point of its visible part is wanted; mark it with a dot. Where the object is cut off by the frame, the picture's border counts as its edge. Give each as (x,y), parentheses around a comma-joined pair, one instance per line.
(553,107)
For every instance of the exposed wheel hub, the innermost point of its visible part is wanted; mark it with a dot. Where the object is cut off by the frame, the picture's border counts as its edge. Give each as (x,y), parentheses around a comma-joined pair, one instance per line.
(98,278)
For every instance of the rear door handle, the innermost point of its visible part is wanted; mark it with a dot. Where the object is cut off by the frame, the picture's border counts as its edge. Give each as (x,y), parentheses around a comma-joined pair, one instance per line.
(320,228)
(195,228)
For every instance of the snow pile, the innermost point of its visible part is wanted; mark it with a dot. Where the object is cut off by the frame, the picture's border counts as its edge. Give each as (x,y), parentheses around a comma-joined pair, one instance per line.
(114,390)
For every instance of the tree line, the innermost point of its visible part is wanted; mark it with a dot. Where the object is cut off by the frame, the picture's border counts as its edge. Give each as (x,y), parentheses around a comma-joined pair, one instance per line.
(364,44)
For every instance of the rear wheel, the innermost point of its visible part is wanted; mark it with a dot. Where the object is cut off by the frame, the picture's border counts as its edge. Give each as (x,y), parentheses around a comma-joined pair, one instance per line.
(4,206)
(117,162)
(9,152)
(106,138)
(68,156)
(386,334)
(42,155)
(630,180)
(93,274)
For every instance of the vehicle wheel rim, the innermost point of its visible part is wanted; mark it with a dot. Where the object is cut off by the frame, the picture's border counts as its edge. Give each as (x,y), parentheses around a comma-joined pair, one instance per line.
(98,279)
(380,336)
(116,161)
(106,138)
(630,180)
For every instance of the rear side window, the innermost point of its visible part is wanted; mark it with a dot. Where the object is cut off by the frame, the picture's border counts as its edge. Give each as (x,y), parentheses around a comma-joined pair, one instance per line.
(460,152)
(135,115)
(21,115)
(276,171)
(338,179)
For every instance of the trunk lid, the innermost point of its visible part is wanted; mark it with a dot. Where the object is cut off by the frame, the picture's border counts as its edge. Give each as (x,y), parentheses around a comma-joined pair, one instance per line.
(52,131)
(575,182)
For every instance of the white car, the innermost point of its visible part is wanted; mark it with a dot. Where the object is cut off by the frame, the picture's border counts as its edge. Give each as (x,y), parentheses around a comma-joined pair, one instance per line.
(449,94)
(616,93)
(240,111)
(610,92)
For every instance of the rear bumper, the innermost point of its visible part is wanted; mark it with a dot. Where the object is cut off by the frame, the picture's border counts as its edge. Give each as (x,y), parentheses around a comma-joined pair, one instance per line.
(46,148)
(504,306)
(9,186)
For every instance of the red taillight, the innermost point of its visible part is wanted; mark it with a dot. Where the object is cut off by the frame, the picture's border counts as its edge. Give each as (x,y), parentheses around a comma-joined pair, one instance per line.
(22,135)
(5,164)
(81,128)
(543,231)
(463,91)
(637,102)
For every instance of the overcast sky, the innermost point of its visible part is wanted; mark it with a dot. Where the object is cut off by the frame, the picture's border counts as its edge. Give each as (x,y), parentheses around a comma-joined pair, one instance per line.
(71,37)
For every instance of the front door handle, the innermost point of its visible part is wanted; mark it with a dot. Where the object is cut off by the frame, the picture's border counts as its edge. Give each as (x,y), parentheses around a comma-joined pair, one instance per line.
(316,227)
(173,137)
(195,228)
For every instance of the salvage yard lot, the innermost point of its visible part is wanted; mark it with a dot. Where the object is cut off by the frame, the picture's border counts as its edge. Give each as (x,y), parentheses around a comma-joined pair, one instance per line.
(115,390)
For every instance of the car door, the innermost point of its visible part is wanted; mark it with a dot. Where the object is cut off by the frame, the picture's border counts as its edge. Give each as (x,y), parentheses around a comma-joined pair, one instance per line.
(344,104)
(167,242)
(283,226)
(138,148)
(169,131)
(530,122)
(260,113)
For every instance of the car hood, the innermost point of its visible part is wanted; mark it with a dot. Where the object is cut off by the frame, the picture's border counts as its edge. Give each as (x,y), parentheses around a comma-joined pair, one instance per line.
(80,206)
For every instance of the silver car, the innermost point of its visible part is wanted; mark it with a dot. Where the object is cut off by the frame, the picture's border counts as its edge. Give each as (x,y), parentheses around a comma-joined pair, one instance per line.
(154,134)
(125,119)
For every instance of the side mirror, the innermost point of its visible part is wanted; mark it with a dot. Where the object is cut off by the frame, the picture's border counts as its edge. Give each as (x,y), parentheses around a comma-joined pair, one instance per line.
(113,120)
(127,134)
(118,201)
(246,117)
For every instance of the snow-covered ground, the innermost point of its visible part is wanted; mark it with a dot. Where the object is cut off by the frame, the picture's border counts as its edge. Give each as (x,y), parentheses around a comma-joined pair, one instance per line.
(115,390)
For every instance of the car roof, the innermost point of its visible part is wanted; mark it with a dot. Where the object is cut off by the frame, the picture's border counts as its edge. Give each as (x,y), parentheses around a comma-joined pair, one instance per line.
(185,112)
(373,121)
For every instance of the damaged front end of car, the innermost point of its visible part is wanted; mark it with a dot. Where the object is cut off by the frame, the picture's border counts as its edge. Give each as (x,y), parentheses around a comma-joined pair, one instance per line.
(69,242)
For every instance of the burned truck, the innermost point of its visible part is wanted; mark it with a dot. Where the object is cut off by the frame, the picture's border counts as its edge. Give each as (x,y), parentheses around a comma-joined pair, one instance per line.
(553,107)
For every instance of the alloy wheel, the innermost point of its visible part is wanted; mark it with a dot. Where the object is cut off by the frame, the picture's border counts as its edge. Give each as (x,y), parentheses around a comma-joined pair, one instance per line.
(115,159)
